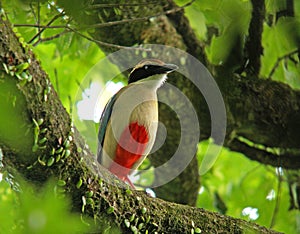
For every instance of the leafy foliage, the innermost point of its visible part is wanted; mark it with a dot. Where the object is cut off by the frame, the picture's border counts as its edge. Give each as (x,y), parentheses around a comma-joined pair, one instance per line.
(281,41)
(67,58)
(241,183)
(235,185)
(224,25)
(28,210)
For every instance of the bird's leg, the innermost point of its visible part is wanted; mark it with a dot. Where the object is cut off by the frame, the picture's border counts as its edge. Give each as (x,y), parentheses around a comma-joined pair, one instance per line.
(126,179)
(121,173)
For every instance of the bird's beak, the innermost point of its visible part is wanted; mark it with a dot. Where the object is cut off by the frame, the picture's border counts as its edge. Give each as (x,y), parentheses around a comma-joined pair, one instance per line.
(168,67)
(165,68)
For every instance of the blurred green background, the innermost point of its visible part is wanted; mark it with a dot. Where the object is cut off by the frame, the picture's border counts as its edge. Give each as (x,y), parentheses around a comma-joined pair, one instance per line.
(235,185)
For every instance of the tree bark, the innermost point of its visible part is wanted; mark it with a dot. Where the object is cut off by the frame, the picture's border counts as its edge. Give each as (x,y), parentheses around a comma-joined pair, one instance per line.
(262,115)
(64,155)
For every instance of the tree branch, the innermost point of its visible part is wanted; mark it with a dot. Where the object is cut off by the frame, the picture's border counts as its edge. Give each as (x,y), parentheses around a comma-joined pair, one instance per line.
(43,29)
(181,23)
(41,40)
(109,5)
(286,160)
(264,111)
(111,23)
(288,12)
(279,60)
(155,30)
(254,47)
(138,19)
(69,29)
(76,166)
(268,115)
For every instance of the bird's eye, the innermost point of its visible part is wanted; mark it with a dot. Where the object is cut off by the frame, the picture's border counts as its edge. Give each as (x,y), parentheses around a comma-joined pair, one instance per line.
(146,67)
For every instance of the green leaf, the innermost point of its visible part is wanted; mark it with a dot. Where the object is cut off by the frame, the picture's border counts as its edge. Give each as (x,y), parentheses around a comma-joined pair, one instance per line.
(36,211)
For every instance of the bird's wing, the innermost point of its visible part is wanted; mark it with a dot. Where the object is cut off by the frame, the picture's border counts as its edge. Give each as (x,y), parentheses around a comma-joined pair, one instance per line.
(105,116)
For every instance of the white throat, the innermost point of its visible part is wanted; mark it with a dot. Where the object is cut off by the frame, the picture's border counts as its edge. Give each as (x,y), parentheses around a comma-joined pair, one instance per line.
(154,81)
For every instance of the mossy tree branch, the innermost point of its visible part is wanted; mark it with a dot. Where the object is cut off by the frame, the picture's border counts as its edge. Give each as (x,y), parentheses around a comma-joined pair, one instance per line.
(46,118)
(264,112)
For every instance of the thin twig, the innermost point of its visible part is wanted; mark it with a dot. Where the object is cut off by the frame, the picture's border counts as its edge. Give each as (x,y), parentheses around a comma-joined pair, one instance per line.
(279,60)
(107,44)
(71,105)
(100,25)
(43,29)
(288,12)
(82,88)
(67,27)
(51,37)
(39,26)
(84,36)
(108,5)
(33,12)
(107,24)
(39,18)
(56,82)
(36,16)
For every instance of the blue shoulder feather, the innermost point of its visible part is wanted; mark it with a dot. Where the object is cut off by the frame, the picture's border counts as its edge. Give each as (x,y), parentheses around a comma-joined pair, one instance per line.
(104,119)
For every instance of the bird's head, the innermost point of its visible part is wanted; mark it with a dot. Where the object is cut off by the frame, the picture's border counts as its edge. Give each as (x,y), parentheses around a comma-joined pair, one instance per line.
(151,70)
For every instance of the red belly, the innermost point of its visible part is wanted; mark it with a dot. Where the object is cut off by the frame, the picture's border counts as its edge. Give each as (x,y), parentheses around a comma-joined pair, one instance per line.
(129,149)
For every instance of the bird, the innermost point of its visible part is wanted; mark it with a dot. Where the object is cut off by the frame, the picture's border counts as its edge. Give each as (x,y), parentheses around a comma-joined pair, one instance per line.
(129,121)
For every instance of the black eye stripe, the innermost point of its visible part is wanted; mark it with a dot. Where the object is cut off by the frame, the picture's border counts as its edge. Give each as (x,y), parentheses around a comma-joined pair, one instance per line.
(144,72)
(147,70)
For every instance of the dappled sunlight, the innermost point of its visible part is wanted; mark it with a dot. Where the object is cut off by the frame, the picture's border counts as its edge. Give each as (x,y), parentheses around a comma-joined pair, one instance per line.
(90,99)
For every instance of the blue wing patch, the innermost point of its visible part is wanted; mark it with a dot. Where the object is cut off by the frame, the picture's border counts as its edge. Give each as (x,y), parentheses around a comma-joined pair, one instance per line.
(103,124)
